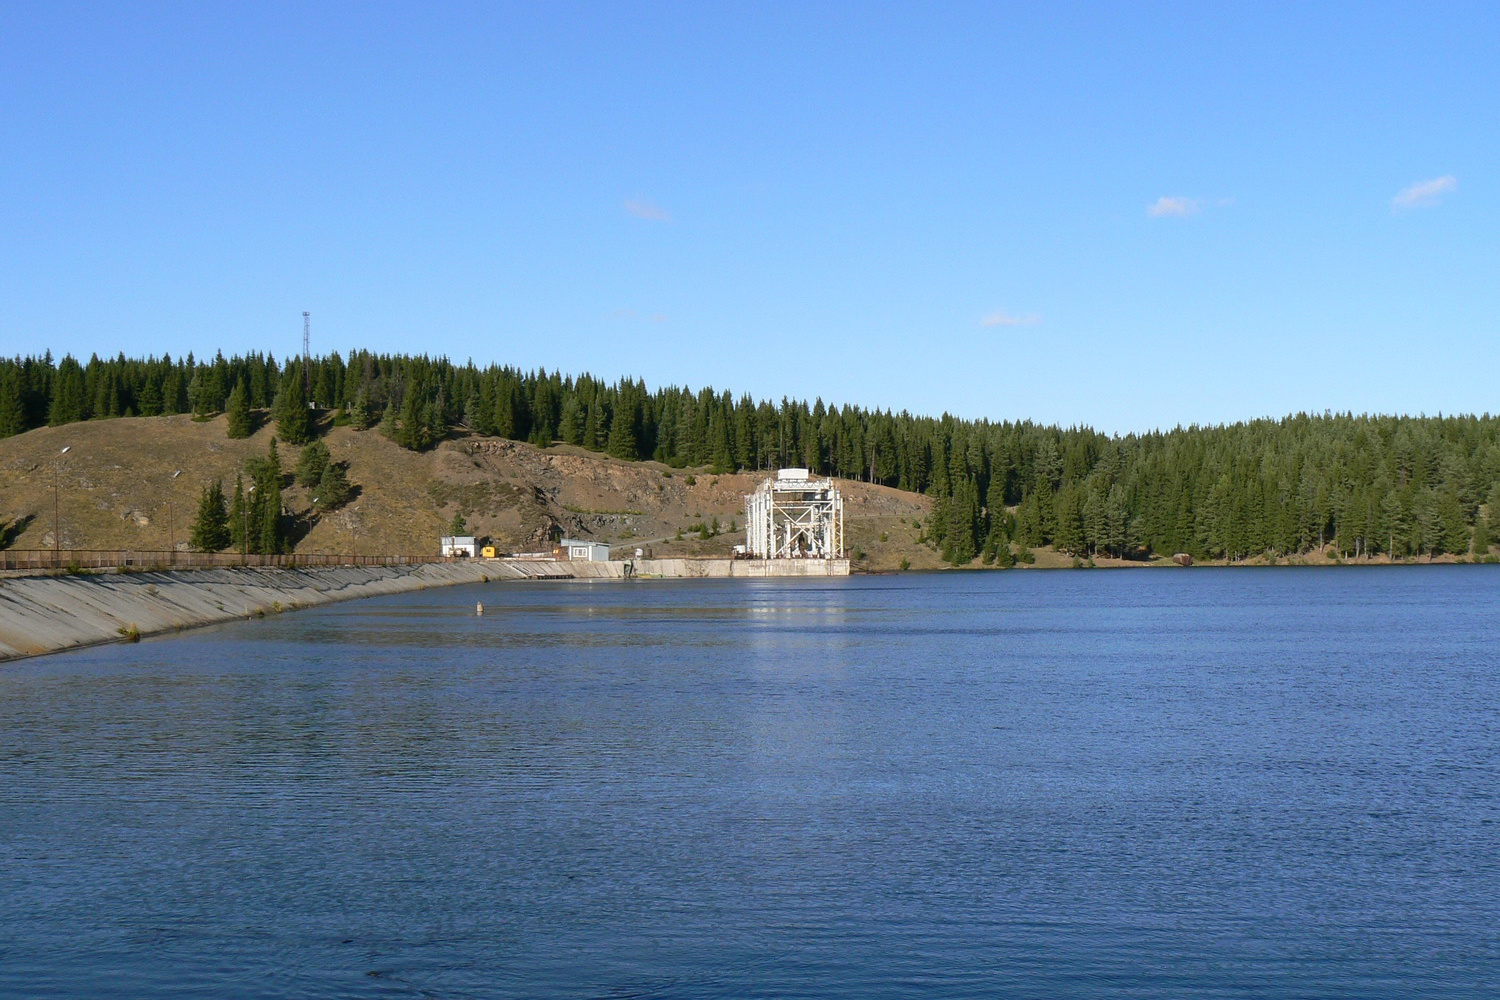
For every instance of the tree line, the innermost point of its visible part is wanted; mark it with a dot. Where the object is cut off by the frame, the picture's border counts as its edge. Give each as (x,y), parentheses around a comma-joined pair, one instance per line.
(1354,485)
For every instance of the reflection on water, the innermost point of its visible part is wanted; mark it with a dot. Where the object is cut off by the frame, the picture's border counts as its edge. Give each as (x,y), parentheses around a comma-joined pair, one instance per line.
(1153,784)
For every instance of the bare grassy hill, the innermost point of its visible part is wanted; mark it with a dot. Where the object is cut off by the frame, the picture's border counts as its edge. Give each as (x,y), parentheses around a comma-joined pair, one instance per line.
(135,482)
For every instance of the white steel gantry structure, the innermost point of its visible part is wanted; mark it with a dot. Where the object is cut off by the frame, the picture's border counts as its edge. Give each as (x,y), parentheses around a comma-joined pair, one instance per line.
(794,517)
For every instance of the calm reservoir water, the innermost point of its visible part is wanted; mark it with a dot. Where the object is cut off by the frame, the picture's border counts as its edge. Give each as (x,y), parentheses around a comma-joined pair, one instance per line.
(1153,784)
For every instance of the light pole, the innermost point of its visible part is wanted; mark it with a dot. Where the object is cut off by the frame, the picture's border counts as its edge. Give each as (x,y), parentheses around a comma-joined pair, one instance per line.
(171,522)
(56,506)
(245,528)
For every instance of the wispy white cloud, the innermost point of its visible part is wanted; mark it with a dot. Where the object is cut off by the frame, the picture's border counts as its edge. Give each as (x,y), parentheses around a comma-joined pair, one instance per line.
(658,318)
(643,208)
(1425,194)
(1002,318)
(1173,206)
(622,314)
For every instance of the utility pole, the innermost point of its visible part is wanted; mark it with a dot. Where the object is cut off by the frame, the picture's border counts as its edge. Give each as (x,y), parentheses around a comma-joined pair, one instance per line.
(307,356)
(56,506)
(245,528)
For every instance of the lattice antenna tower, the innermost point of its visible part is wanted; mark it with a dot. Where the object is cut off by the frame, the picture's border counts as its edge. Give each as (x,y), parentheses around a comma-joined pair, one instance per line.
(307,355)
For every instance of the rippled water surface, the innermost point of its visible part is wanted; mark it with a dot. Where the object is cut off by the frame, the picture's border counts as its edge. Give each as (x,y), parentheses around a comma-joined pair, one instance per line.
(1163,784)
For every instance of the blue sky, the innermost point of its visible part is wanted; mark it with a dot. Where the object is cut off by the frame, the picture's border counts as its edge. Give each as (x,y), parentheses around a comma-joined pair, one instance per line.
(1122,215)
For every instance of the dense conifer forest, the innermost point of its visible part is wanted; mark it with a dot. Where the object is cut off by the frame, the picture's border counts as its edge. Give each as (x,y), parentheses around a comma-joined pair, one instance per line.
(1356,485)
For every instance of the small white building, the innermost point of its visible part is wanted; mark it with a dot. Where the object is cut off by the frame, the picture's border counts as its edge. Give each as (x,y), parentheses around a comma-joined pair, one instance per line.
(458,545)
(572,548)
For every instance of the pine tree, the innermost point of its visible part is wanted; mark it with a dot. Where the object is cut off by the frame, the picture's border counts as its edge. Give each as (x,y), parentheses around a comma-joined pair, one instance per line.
(1455,530)
(361,417)
(409,430)
(473,412)
(294,423)
(334,489)
(68,402)
(238,412)
(210,532)
(12,409)
(239,515)
(959,521)
(390,426)
(1069,533)
(571,427)
(269,539)
(622,440)
(265,528)
(433,424)
(1481,543)
(312,463)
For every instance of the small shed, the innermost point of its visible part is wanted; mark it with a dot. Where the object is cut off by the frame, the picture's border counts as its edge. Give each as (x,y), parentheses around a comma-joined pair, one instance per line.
(458,545)
(572,548)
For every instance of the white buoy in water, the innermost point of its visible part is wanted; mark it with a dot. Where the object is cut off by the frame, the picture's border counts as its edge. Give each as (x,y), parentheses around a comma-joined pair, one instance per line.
(479,607)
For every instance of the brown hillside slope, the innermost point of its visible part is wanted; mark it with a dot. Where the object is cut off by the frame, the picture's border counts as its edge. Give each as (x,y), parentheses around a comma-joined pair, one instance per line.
(134,483)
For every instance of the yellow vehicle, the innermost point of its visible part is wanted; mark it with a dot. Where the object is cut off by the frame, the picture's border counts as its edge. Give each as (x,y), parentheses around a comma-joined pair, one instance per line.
(488,552)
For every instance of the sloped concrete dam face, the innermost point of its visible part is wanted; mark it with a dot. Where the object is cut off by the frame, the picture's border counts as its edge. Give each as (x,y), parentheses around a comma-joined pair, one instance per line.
(46,614)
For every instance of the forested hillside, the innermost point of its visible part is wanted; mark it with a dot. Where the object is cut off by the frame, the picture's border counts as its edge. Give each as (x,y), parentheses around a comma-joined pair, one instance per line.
(1364,486)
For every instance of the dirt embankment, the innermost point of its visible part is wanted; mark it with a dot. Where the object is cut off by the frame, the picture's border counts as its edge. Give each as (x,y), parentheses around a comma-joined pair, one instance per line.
(134,483)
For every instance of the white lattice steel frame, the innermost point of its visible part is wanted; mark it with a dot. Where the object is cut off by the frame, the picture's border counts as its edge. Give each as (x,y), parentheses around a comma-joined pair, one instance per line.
(793,516)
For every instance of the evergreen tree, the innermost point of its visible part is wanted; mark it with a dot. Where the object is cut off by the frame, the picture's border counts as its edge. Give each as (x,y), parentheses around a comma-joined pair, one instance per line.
(1480,546)
(473,412)
(68,403)
(210,532)
(1029,522)
(333,489)
(268,538)
(433,426)
(409,430)
(239,515)
(1069,535)
(12,409)
(265,524)
(959,524)
(361,417)
(205,391)
(1456,533)
(390,424)
(149,402)
(312,463)
(622,439)
(294,423)
(238,412)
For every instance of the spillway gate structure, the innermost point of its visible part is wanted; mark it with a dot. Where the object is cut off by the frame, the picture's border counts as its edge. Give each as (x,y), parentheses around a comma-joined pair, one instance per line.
(793,516)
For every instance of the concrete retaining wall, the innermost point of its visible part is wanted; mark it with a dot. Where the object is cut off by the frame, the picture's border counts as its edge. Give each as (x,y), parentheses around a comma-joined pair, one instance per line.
(42,614)
(694,569)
